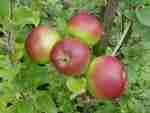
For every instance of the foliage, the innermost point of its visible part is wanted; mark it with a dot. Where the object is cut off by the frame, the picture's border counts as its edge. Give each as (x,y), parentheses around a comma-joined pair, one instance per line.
(26,87)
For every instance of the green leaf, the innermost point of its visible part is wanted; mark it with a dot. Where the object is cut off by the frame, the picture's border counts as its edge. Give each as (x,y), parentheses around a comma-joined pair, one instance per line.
(143,15)
(2,106)
(108,51)
(146,44)
(136,106)
(24,107)
(7,70)
(4,7)
(44,103)
(31,76)
(76,84)
(24,15)
(108,107)
(132,75)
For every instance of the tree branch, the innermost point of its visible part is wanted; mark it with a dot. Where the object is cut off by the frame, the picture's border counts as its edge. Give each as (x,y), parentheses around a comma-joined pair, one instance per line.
(109,14)
(10,37)
(122,39)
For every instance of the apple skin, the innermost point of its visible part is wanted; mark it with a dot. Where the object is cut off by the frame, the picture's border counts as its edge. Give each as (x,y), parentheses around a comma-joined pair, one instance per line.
(86,27)
(107,77)
(70,56)
(39,43)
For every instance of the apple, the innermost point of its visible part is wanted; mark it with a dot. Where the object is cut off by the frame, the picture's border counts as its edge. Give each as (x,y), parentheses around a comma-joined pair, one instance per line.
(39,43)
(70,56)
(107,77)
(86,27)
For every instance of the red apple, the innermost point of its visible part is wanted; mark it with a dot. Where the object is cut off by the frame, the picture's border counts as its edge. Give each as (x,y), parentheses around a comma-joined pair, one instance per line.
(86,27)
(40,42)
(107,77)
(70,56)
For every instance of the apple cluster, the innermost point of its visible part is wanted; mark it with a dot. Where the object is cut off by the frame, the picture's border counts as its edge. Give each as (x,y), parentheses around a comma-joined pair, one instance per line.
(71,55)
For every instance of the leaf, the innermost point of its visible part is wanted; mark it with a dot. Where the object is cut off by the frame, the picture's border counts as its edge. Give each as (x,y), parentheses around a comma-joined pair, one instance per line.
(2,106)
(76,84)
(44,103)
(4,7)
(143,15)
(146,44)
(132,75)
(108,51)
(31,76)
(18,53)
(24,15)
(136,106)
(24,107)
(108,107)
(7,70)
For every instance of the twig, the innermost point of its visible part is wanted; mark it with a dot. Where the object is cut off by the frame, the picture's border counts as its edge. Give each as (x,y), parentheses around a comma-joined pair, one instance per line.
(109,14)
(122,39)
(9,34)
(12,6)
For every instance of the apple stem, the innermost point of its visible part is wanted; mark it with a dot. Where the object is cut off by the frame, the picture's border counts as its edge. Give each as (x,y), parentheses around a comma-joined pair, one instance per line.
(121,40)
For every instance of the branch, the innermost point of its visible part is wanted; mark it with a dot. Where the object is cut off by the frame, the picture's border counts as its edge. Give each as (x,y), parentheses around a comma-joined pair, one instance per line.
(109,14)
(122,39)
(10,37)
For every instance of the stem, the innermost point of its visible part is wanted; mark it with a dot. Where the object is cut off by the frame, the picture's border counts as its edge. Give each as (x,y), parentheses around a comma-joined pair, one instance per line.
(121,40)
(10,34)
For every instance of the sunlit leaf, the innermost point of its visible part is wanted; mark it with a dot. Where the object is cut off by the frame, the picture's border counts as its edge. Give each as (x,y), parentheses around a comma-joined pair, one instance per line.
(76,84)
(24,15)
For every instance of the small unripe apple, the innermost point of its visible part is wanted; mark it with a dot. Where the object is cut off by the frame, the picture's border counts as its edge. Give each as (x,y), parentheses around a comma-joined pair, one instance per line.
(70,56)
(40,42)
(86,27)
(107,77)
